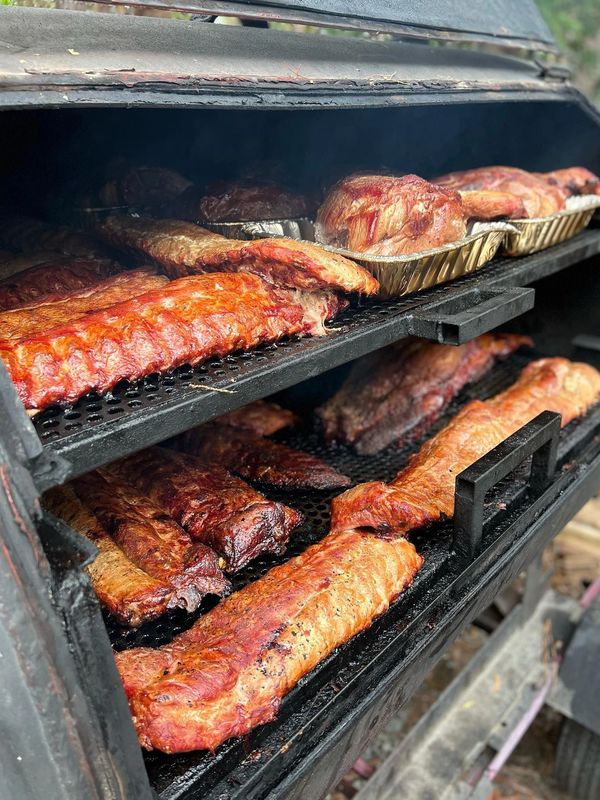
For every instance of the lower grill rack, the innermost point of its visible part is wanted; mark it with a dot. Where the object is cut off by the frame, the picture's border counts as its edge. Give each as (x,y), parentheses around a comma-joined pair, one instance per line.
(390,658)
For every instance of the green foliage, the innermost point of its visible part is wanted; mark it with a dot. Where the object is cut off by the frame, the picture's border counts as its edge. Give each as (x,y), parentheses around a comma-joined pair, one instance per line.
(575,25)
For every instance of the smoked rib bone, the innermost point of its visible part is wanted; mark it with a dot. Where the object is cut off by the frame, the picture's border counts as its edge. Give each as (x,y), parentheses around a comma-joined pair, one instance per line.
(398,392)
(185,249)
(256,458)
(214,507)
(186,321)
(423,492)
(229,671)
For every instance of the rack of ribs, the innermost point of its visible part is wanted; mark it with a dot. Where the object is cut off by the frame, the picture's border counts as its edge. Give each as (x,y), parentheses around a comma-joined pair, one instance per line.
(146,562)
(262,417)
(209,503)
(259,459)
(185,321)
(229,671)
(58,276)
(183,248)
(396,394)
(25,234)
(64,308)
(423,492)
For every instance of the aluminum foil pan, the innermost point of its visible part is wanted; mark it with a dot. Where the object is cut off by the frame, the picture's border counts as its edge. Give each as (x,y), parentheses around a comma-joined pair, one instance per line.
(400,275)
(532,235)
(397,275)
(292,228)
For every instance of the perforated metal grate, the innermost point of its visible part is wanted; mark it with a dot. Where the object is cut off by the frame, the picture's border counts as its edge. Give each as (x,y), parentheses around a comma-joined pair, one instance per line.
(314,505)
(99,429)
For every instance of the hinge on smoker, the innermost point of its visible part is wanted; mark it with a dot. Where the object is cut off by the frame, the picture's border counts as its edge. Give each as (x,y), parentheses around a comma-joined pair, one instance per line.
(553,72)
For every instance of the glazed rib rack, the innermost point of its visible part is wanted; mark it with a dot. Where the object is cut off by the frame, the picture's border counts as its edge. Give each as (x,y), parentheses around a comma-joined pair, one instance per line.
(137,414)
(238,766)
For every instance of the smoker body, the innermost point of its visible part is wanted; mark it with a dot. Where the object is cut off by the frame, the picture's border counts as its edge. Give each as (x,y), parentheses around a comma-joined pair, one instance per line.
(319,108)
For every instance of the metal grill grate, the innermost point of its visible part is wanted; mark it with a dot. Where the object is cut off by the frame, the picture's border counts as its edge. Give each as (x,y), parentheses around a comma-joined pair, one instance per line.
(181,776)
(99,429)
(314,505)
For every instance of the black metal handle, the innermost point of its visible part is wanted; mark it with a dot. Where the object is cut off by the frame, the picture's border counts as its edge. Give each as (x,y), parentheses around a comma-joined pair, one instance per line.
(539,438)
(460,319)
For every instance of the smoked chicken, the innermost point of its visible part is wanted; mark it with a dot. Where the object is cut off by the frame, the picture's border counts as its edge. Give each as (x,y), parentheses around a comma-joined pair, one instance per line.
(423,492)
(539,198)
(229,671)
(397,393)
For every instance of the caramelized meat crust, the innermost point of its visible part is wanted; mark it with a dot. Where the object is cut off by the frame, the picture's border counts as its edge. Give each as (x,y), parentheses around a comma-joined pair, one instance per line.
(225,513)
(258,459)
(182,248)
(146,562)
(186,321)
(423,492)
(239,200)
(397,393)
(228,672)
(573,180)
(58,276)
(57,310)
(538,196)
(384,215)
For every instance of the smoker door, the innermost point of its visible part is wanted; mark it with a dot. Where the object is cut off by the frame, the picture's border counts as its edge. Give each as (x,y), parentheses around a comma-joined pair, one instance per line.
(54,743)
(515,23)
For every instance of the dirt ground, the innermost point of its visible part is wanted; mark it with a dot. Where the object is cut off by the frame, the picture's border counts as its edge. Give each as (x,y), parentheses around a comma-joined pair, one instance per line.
(574,558)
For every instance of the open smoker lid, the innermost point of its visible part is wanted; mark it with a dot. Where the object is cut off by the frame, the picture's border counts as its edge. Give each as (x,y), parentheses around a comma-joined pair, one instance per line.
(515,23)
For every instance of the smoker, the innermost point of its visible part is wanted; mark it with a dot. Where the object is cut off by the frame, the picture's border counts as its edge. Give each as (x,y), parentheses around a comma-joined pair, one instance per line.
(79,88)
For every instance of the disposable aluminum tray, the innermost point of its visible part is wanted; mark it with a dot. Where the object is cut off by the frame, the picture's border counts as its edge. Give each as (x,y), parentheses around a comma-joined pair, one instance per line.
(532,235)
(397,275)
(400,275)
(291,228)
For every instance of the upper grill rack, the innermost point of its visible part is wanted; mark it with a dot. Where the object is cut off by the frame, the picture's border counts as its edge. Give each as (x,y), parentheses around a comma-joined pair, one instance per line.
(96,429)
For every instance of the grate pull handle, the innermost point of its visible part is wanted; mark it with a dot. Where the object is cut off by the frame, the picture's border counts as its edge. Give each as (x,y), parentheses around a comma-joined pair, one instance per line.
(538,438)
(460,319)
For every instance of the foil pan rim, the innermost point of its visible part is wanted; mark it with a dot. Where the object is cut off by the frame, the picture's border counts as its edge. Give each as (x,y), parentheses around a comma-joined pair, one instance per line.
(483,229)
